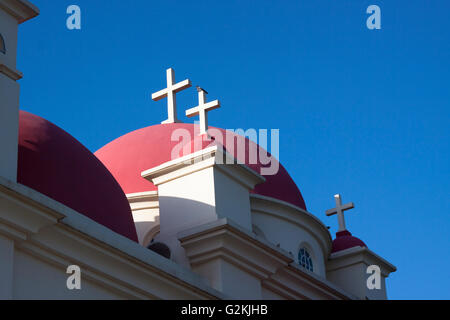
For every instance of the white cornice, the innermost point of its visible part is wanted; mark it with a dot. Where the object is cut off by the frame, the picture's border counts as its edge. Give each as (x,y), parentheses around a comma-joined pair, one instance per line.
(70,236)
(143,200)
(318,282)
(355,255)
(272,265)
(10,73)
(206,158)
(294,282)
(145,196)
(21,10)
(24,214)
(225,239)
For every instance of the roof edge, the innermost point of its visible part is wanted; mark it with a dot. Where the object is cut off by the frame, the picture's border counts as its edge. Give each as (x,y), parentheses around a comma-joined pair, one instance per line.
(21,10)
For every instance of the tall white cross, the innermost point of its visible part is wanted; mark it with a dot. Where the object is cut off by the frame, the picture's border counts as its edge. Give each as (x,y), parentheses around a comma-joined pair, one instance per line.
(202,110)
(339,210)
(170,93)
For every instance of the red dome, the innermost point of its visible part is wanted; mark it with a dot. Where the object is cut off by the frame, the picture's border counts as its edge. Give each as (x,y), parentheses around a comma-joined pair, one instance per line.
(345,240)
(54,163)
(135,152)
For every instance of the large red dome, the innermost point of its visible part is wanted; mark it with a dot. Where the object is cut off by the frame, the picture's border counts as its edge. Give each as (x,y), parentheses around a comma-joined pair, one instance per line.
(54,163)
(135,152)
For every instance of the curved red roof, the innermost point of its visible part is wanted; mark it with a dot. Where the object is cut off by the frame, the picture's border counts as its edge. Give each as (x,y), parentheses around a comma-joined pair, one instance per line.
(135,152)
(54,163)
(345,240)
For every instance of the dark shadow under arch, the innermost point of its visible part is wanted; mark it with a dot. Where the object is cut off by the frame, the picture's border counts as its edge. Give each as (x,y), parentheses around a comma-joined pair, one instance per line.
(2,44)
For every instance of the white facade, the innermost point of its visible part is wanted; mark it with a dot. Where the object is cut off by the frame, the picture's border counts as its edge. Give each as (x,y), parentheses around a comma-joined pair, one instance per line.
(225,242)
(12,13)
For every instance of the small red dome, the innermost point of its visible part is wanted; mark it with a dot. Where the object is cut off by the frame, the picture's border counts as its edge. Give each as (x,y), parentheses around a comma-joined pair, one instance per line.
(135,152)
(345,240)
(55,164)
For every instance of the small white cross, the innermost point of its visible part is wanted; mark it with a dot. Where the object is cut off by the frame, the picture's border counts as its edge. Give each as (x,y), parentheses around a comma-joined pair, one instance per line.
(202,110)
(170,93)
(339,210)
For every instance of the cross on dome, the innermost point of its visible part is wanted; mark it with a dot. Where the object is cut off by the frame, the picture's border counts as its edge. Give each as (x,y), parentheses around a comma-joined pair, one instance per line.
(339,210)
(170,93)
(202,110)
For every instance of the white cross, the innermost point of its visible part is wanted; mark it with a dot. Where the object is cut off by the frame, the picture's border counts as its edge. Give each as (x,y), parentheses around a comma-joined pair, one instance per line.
(170,93)
(202,110)
(339,210)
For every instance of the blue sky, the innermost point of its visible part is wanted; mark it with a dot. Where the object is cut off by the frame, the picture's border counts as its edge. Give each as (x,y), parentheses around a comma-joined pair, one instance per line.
(364,113)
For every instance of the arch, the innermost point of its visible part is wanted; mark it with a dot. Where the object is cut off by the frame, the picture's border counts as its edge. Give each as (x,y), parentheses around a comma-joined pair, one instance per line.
(160,248)
(151,235)
(2,45)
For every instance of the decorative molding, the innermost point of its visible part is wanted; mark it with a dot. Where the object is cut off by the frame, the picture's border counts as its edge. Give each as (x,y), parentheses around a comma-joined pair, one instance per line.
(348,269)
(143,200)
(355,255)
(294,282)
(225,239)
(24,215)
(10,73)
(108,268)
(57,234)
(147,195)
(294,215)
(206,158)
(12,232)
(282,290)
(275,268)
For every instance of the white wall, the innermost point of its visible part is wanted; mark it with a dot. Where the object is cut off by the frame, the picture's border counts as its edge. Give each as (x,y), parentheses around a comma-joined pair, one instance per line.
(193,193)
(40,238)
(290,237)
(6,267)
(145,209)
(232,200)
(231,279)
(9,127)
(292,229)
(348,269)
(9,30)
(35,279)
(9,100)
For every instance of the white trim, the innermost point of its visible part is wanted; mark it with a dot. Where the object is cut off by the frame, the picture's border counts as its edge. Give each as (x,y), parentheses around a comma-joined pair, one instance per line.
(21,10)
(150,235)
(10,73)
(206,158)
(295,215)
(272,265)
(350,256)
(89,236)
(147,195)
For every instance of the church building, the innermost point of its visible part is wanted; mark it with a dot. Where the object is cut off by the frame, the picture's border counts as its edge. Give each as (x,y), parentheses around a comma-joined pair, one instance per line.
(172,211)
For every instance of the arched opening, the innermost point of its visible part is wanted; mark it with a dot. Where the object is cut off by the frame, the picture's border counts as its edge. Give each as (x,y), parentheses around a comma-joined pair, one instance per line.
(151,235)
(160,248)
(2,44)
